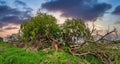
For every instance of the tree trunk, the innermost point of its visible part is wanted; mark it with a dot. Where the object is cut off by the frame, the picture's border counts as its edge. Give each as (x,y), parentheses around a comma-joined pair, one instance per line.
(55,45)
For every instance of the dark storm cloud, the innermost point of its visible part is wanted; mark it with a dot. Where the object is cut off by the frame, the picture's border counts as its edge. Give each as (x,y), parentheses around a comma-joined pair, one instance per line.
(7,10)
(1,25)
(85,9)
(23,5)
(13,15)
(117,10)
(12,19)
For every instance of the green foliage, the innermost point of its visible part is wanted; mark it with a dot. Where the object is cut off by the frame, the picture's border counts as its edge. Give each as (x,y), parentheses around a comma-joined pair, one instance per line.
(91,59)
(74,29)
(66,48)
(13,55)
(112,49)
(41,25)
(63,58)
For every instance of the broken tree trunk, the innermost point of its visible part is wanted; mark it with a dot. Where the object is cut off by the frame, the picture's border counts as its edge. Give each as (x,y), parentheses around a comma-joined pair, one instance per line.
(54,44)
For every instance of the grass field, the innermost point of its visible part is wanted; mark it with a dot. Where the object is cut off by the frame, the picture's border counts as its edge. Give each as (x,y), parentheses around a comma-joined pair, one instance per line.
(13,55)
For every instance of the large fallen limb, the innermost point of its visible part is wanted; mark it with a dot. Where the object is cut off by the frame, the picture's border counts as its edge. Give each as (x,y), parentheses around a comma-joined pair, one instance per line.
(105,35)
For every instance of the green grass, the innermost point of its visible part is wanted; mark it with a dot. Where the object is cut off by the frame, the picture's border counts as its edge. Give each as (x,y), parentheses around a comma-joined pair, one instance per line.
(13,55)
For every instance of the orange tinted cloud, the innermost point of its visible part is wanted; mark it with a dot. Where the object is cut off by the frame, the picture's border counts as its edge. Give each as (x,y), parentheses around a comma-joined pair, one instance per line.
(8,30)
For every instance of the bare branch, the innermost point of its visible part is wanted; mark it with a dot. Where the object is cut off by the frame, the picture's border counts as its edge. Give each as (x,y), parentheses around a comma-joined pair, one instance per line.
(93,28)
(108,33)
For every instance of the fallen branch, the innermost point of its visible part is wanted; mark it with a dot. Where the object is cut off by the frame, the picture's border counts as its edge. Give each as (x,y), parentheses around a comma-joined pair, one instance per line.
(103,56)
(106,35)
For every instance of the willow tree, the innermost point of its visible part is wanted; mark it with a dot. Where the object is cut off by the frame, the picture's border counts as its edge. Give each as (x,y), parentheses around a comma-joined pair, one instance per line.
(41,28)
(44,28)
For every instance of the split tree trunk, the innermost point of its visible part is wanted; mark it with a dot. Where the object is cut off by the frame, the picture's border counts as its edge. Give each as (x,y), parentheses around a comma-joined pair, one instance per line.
(54,44)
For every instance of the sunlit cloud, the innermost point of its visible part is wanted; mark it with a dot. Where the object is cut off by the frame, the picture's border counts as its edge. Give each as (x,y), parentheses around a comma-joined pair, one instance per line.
(9,29)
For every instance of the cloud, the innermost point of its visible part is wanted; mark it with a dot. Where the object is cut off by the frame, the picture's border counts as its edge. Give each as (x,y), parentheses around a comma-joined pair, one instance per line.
(18,2)
(118,22)
(1,30)
(2,2)
(84,9)
(13,15)
(10,28)
(12,19)
(2,24)
(117,10)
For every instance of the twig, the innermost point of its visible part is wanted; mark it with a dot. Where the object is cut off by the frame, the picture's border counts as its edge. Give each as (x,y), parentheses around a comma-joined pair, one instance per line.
(93,29)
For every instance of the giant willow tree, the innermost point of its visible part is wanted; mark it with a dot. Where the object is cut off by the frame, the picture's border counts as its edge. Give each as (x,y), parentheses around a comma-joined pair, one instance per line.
(43,28)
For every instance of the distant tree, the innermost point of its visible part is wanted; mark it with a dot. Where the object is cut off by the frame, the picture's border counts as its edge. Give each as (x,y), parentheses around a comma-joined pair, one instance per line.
(1,39)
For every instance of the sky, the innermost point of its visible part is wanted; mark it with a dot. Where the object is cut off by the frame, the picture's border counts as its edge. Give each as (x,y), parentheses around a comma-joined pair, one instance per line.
(103,13)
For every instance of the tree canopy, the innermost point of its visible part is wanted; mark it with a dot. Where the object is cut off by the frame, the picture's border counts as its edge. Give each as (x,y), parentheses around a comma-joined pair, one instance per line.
(44,28)
(42,25)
